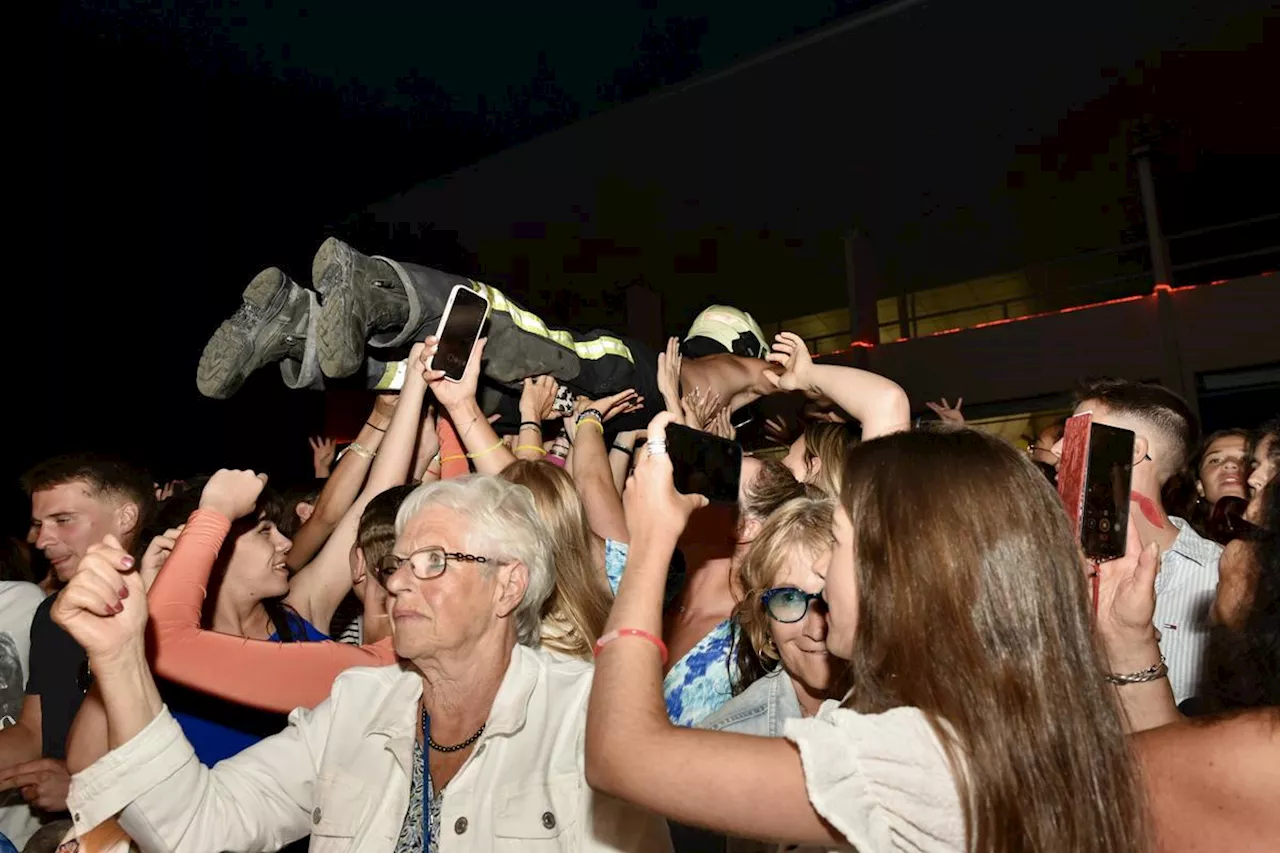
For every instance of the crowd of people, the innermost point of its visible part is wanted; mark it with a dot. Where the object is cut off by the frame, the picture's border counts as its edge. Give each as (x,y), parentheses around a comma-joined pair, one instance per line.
(493,625)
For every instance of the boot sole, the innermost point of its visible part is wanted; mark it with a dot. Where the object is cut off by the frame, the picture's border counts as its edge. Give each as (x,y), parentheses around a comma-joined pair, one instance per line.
(231,355)
(332,275)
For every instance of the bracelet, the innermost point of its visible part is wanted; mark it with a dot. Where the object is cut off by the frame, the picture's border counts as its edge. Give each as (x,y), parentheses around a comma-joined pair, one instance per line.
(532,425)
(360,450)
(532,447)
(485,452)
(1152,673)
(590,413)
(378,428)
(453,458)
(621,449)
(608,638)
(593,421)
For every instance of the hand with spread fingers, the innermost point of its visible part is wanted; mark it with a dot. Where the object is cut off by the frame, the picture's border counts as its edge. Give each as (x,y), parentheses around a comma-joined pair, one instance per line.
(323,451)
(948,413)
(669,377)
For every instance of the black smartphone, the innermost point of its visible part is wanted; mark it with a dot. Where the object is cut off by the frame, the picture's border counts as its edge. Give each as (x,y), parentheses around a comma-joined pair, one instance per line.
(1095,479)
(704,464)
(459,328)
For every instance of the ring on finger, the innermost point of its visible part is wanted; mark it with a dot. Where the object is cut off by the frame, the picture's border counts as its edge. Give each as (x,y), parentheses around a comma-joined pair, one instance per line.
(656,447)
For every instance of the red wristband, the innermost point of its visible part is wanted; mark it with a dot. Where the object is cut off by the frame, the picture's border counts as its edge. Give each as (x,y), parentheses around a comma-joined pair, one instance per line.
(608,638)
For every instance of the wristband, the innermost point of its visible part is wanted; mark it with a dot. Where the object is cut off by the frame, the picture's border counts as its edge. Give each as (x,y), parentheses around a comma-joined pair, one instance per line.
(360,450)
(591,413)
(484,452)
(1152,673)
(531,424)
(532,447)
(621,449)
(378,428)
(608,638)
(593,421)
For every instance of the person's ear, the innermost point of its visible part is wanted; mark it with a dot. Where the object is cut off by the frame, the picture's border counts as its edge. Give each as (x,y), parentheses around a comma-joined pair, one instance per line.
(513,581)
(304,511)
(1141,449)
(126,518)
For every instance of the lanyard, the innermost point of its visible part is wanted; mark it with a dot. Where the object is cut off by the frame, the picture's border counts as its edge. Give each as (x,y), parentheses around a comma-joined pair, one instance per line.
(426,782)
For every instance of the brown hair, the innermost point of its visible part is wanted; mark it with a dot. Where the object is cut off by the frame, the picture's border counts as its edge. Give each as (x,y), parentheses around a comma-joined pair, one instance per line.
(376,535)
(973,607)
(829,444)
(579,604)
(773,486)
(800,527)
(1165,412)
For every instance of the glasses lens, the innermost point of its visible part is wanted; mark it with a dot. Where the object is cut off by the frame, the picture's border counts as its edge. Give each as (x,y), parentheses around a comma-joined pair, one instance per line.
(788,605)
(428,562)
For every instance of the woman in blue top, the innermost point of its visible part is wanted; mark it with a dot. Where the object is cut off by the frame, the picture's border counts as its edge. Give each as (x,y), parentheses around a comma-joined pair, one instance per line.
(249,596)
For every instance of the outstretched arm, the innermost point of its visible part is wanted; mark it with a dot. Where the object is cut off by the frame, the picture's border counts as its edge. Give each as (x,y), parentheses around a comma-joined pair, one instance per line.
(879,404)
(627,717)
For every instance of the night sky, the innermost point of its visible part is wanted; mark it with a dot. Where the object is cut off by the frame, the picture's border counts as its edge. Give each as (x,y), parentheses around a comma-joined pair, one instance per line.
(185,145)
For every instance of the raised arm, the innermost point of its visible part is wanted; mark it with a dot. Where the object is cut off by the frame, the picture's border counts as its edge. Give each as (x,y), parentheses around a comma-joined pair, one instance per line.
(317,590)
(879,404)
(342,486)
(481,443)
(703,778)
(272,676)
(537,404)
(592,475)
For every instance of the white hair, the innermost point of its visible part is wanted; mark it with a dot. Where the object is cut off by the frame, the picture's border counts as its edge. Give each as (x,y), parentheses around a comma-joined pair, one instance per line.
(504,524)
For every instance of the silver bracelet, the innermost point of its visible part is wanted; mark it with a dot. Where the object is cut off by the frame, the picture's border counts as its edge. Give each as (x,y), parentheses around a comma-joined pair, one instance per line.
(1151,673)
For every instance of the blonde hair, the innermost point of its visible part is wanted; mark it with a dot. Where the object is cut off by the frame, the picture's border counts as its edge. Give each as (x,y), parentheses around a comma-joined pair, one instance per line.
(800,527)
(574,614)
(828,444)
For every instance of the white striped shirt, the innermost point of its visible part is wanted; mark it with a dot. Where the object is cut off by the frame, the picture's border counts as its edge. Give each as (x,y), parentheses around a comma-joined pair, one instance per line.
(1185,589)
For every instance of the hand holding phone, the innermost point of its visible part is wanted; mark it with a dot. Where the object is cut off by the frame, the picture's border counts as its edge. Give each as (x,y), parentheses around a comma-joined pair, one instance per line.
(459,329)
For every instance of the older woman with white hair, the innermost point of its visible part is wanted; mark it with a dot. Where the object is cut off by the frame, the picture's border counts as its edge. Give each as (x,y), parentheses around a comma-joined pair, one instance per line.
(474,741)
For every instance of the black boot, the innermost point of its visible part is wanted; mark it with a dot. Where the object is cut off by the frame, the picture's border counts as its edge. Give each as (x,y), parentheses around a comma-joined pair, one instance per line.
(360,297)
(270,325)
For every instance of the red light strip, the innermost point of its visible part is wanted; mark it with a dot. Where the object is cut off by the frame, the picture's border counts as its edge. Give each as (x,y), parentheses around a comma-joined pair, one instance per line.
(1069,310)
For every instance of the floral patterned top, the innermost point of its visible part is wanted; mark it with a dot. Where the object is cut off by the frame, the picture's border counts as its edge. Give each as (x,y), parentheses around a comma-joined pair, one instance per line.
(410,840)
(701,681)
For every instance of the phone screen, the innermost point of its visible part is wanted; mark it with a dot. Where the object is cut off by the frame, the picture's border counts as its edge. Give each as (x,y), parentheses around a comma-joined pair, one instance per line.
(460,326)
(704,464)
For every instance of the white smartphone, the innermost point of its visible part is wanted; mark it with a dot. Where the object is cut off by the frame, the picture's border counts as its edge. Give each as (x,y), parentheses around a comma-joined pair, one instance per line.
(459,329)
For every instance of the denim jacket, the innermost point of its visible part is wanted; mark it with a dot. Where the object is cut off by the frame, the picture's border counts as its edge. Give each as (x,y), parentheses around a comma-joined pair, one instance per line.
(761,709)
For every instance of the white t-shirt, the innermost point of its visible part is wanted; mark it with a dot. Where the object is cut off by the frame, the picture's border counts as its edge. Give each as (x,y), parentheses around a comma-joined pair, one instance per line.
(18,603)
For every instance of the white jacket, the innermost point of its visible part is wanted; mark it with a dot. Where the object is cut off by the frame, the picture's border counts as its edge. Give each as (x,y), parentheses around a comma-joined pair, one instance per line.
(342,773)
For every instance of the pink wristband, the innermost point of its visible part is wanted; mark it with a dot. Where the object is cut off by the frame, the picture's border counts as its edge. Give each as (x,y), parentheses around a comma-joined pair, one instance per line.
(608,638)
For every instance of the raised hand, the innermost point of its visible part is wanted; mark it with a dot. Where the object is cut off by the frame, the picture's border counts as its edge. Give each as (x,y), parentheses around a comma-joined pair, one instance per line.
(156,554)
(450,394)
(233,493)
(323,451)
(669,376)
(700,409)
(104,607)
(947,412)
(1127,601)
(538,399)
(790,353)
(722,425)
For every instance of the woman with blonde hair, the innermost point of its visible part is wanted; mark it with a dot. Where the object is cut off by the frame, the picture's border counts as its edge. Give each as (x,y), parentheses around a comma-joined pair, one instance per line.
(574,615)
(818,455)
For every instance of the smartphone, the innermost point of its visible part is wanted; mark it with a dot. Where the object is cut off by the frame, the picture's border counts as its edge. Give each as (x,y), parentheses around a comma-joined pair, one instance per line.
(459,329)
(704,464)
(1094,480)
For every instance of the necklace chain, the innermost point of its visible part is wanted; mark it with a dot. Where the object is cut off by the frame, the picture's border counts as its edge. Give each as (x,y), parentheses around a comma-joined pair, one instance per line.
(456,747)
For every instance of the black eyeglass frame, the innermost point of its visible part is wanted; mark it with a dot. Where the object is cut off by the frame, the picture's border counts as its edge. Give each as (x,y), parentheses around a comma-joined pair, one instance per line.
(809,598)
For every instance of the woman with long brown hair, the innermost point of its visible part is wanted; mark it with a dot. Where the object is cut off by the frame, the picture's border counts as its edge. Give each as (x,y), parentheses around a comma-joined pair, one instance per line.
(574,615)
(979,718)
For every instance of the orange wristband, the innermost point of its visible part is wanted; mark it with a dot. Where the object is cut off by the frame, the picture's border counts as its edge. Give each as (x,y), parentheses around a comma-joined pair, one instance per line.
(608,638)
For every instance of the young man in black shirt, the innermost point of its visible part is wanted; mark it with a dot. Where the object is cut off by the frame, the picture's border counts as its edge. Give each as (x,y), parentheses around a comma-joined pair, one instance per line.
(75,502)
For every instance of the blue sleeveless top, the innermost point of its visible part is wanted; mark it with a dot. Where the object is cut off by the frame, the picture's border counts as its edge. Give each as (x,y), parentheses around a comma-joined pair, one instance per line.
(219,729)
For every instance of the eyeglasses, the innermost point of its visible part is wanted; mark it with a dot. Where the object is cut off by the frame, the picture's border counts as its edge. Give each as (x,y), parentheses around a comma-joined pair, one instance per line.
(789,604)
(425,563)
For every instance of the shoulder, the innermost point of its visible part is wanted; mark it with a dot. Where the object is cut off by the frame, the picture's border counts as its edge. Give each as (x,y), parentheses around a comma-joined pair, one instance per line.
(20,598)
(747,705)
